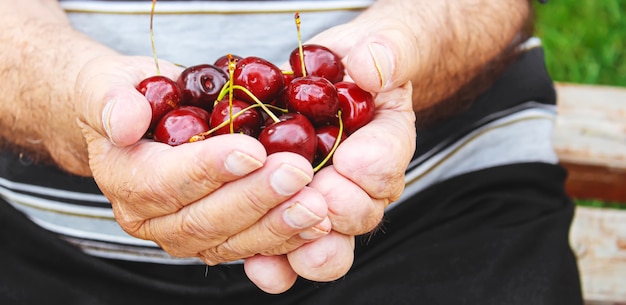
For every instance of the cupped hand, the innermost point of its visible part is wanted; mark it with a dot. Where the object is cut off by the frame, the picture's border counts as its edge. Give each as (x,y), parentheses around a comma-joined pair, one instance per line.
(221,199)
(369,167)
(379,54)
(367,175)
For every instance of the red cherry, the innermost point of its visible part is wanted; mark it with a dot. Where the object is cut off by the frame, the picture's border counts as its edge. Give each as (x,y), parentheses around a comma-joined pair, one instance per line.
(247,122)
(288,76)
(281,99)
(201,84)
(262,78)
(180,124)
(326,138)
(315,97)
(200,112)
(318,61)
(162,93)
(222,62)
(357,106)
(293,133)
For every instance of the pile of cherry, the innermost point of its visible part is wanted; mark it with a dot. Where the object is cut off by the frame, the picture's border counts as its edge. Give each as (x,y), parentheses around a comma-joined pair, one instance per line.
(309,110)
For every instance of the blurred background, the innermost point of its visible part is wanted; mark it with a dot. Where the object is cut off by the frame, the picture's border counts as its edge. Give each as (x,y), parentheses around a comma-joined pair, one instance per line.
(585,43)
(585,40)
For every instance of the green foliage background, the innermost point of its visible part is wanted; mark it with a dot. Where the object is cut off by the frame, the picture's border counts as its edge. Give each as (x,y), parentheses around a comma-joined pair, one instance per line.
(585,40)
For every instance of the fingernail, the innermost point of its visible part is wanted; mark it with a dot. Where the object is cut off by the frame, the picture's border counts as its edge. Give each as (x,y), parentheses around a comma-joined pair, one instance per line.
(287,180)
(299,217)
(106,118)
(383,62)
(241,164)
(320,230)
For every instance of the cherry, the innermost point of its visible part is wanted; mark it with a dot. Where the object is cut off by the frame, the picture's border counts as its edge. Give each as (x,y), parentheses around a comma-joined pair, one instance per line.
(293,133)
(357,106)
(309,111)
(201,84)
(318,61)
(326,138)
(180,124)
(162,93)
(200,112)
(246,120)
(289,76)
(315,97)
(222,62)
(263,79)
(281,99)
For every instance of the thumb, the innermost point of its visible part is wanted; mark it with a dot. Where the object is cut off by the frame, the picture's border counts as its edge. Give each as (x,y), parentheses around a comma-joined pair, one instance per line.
(386,58)
(109,102)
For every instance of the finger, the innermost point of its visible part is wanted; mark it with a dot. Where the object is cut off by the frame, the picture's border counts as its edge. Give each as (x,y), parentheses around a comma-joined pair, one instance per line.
(351,210)
(108,100)
(230,209)
(380,58)
(272,274)
(151,179)
(385,59)
(317,231)
(274,233)
(390,141)
(312,233)
(325,259)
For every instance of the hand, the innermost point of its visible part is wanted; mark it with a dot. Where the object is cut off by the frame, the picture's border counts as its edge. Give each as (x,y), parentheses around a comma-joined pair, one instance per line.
(412,55)
(221,199)
(368,168)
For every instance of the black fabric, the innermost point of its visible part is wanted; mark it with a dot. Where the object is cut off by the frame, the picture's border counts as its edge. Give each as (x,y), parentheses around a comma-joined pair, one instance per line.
(21,169)
(497,236)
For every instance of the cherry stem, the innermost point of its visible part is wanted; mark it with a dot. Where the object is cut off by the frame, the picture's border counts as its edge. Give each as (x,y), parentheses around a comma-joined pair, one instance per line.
(203,135)
(297,17)
(378,69)
(227,89)
(332,151)
(246,91)
(154,53)
(231,72)
(256,100)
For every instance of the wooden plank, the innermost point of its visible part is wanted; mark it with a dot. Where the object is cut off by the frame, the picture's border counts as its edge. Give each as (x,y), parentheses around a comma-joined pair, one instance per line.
(587,181)
(591,125)
(590,140)
(598,237)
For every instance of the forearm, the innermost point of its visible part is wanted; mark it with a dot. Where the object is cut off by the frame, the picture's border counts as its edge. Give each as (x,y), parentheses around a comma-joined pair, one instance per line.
(40,57)
(455,40)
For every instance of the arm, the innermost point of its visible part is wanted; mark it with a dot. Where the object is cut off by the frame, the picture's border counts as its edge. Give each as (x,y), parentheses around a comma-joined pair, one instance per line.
(38,84)
(442,44)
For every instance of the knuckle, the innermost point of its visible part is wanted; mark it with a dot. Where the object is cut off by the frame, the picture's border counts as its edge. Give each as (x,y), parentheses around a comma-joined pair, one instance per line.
(253,202)
(203,175)
(360,218)
(276,232)
(196,225)
(222,253)
(284,248)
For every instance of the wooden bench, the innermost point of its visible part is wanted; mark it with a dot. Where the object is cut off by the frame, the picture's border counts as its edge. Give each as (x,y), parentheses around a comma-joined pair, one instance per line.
(590,140)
